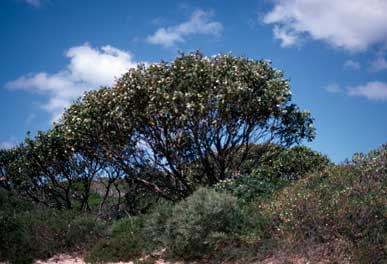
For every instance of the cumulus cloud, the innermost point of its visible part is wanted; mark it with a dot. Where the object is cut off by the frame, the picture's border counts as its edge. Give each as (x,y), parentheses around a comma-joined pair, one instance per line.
(352,65)
(199,23)
(287,37)
(376,91)
(353,25)
(89,68)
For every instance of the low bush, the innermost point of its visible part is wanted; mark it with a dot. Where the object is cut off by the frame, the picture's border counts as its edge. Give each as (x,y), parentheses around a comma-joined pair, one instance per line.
(343,203)
(155,225)
(39,234)
(198,222)
(124,243)
(207,221)
(10,203)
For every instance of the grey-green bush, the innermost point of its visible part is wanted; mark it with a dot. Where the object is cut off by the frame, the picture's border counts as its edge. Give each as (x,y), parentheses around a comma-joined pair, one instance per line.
(155,225)
(197,222)
(125,242)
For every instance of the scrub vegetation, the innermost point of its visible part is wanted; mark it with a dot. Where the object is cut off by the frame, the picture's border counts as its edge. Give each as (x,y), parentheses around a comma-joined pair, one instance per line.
(200,159)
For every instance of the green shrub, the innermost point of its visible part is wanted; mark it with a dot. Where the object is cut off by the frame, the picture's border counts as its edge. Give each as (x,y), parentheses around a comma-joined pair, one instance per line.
(249,187)
(128,226)
(198,222)
(188,229)
(14,241)
(155,225)
(11,203)
(83,231)
(279,162)
(236,239)
(293,163)
(270,168)
(25,236)
(343,203)
(125,242)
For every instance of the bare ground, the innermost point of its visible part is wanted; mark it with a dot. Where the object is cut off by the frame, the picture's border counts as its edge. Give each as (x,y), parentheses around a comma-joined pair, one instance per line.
(70,259)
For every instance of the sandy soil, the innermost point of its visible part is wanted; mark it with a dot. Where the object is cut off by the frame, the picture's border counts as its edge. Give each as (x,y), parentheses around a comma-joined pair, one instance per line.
(280,257)
(70,259)
(62,259)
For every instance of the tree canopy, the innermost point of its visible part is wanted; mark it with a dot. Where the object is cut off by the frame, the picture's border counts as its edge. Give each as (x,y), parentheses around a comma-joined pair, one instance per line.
(194,113)
(165,128)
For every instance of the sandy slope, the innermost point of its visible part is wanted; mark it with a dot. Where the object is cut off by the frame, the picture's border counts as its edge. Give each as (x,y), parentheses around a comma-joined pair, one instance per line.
(69,259)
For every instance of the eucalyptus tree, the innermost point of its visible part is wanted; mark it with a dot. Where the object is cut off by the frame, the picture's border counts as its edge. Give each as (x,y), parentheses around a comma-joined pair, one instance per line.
(182,122)
(96,127)
(34,172)
(48,170)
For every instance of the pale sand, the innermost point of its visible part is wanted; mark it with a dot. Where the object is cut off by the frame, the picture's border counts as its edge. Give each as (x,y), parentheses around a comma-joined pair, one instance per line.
(69,259)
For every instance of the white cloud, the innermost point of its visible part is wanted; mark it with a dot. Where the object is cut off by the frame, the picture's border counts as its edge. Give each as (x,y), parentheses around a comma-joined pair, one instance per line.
(199,23)
(287,38)
(333,88)
(376,91)
(379,64)
(350,24)
(88,69)
(352,65)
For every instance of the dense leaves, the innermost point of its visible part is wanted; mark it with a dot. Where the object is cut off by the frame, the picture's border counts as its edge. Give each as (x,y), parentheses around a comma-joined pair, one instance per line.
(194,224)
(269,168)
(192,114)
(28,232)
(163,129)
(124,243)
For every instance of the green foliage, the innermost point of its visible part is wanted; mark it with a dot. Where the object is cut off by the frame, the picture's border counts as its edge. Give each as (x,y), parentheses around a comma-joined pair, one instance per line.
(47,171)
(12,234)
(341,207)
(279,162)
(182,112)
(271,168)
(10,202)
(249,187)
(125,243)
(13,240)
(256,156)
(346,202)
(129,225)
(197,223)
(293,163)
(25,236)
(162,131)
(156,224)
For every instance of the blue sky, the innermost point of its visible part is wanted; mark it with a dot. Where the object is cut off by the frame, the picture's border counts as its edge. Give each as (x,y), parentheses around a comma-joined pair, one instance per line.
(334,53)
